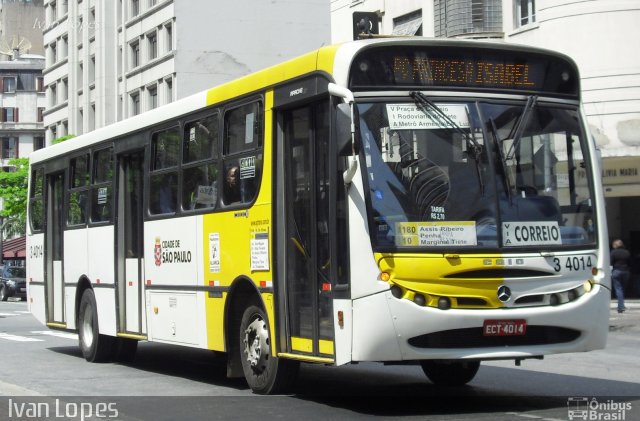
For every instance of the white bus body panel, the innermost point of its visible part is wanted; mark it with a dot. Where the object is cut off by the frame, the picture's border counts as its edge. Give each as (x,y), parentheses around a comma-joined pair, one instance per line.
(173,272)
(343,335)
(102,269)
(35,274)
(58,296)
(76,258)
(101,260)
(383,324)
(133,304)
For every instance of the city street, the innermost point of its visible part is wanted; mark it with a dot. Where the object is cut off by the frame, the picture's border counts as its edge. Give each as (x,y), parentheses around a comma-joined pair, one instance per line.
(167,382)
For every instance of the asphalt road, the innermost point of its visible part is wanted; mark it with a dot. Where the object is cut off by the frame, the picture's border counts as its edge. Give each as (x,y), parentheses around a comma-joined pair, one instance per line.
(43,369)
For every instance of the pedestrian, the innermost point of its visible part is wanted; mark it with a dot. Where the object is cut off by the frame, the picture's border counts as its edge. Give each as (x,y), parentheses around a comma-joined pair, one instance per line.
(620,264)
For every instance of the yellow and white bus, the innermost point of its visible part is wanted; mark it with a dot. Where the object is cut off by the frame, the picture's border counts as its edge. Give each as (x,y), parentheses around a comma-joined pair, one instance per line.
(403,200)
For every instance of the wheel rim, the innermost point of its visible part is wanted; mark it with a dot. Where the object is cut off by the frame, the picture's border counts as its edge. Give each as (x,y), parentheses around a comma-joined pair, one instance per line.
(87,327)
(256,344)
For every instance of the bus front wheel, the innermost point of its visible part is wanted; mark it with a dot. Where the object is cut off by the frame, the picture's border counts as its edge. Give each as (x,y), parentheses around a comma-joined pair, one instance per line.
(94,346)
(265,373)
(450,373)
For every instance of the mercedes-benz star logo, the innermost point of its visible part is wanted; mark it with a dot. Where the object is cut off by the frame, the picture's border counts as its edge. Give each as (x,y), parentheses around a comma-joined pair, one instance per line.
(504,293)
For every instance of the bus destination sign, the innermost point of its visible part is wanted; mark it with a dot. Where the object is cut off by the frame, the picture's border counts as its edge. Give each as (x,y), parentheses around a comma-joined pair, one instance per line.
(465,72)
(464,68)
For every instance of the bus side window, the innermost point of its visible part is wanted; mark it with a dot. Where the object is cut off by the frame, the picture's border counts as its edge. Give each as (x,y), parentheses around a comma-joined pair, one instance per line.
(199,159)
(101,189)
(165,156)
(36,201)
(242,156)
(78,191)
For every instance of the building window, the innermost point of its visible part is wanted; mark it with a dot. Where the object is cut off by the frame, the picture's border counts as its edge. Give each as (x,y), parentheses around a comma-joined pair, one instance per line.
(9,147)
(53,53)
(54,11)
(168,29)
(525,12)
(40,114)
(54,132)
(8,84)
(65,90)
(135,103)
(153,3)
(152,45)
(92,69)
(53,95)
(168,85)
(9,114)
(135,7)
(135,54)
(40,84)
(38,143)
(153,97)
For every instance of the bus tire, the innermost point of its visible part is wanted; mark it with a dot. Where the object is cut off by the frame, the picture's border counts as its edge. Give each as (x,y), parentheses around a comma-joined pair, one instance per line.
(3,293)
(450,373)
(94,346)
(264,373)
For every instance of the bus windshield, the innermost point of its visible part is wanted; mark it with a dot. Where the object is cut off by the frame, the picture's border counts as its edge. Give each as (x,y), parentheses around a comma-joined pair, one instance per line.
(447,174)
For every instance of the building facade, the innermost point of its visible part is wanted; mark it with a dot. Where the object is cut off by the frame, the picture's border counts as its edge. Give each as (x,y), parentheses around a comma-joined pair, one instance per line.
(21,24)
(111,59)
(600,35)
(22,104)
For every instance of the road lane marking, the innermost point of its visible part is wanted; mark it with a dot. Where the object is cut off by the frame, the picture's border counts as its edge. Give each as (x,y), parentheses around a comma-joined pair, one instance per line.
(16,338)
(56,334)
(8,314)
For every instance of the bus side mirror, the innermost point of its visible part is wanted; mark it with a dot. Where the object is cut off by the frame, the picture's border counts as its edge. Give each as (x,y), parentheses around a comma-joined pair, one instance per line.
(346,139)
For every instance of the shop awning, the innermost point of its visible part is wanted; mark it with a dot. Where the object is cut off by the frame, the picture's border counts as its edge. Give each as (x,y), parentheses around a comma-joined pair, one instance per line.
(16,247)
(408,28)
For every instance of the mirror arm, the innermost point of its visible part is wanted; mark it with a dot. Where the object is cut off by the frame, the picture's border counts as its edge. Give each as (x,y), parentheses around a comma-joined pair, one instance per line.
(347,95)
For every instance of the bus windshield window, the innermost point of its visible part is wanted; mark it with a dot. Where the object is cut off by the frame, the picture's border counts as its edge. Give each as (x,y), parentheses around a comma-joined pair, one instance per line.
(455,174)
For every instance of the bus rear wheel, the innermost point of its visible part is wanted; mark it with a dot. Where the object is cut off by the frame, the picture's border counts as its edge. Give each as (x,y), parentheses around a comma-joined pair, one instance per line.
(264,373)
(94,346)
(450,373)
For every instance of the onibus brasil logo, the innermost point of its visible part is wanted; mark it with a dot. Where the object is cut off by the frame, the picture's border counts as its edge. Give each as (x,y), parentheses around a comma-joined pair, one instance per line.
(582,408)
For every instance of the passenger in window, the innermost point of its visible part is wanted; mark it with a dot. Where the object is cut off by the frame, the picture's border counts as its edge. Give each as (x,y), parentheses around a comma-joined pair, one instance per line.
(232,186)
(166,195)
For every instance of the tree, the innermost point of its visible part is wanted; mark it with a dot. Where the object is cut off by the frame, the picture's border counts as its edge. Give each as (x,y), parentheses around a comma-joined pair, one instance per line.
(13,190)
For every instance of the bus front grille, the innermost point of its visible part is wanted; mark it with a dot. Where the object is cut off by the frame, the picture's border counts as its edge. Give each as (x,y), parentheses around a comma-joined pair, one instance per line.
(474,338)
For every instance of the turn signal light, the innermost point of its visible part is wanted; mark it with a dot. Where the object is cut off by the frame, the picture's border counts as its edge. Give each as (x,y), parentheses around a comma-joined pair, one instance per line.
(385,276)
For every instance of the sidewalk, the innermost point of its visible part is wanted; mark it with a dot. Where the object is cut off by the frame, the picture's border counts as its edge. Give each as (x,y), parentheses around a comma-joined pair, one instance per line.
(629,321)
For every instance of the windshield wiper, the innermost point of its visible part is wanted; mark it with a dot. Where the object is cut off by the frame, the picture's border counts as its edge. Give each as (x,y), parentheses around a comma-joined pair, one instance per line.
(518,129)
(432,110)
(501,157)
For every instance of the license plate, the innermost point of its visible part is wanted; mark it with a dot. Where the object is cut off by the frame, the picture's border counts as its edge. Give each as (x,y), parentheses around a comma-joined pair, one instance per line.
(504,327)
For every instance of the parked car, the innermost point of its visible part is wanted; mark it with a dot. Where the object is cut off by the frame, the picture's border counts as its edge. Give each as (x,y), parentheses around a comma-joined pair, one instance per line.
(13,282)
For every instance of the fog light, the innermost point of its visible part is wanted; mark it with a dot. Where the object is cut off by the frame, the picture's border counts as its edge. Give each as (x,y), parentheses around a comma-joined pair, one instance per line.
(444,303)
(554,300)
(419,299)
(396,291)
(572,295)
(587,286)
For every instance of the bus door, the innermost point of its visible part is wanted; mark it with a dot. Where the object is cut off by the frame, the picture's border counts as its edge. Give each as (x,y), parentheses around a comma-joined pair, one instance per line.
(305,233)
(129,243)
(54,286)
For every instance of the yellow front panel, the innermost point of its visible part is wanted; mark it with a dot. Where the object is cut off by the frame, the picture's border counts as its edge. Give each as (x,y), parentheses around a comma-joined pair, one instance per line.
(439,275)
